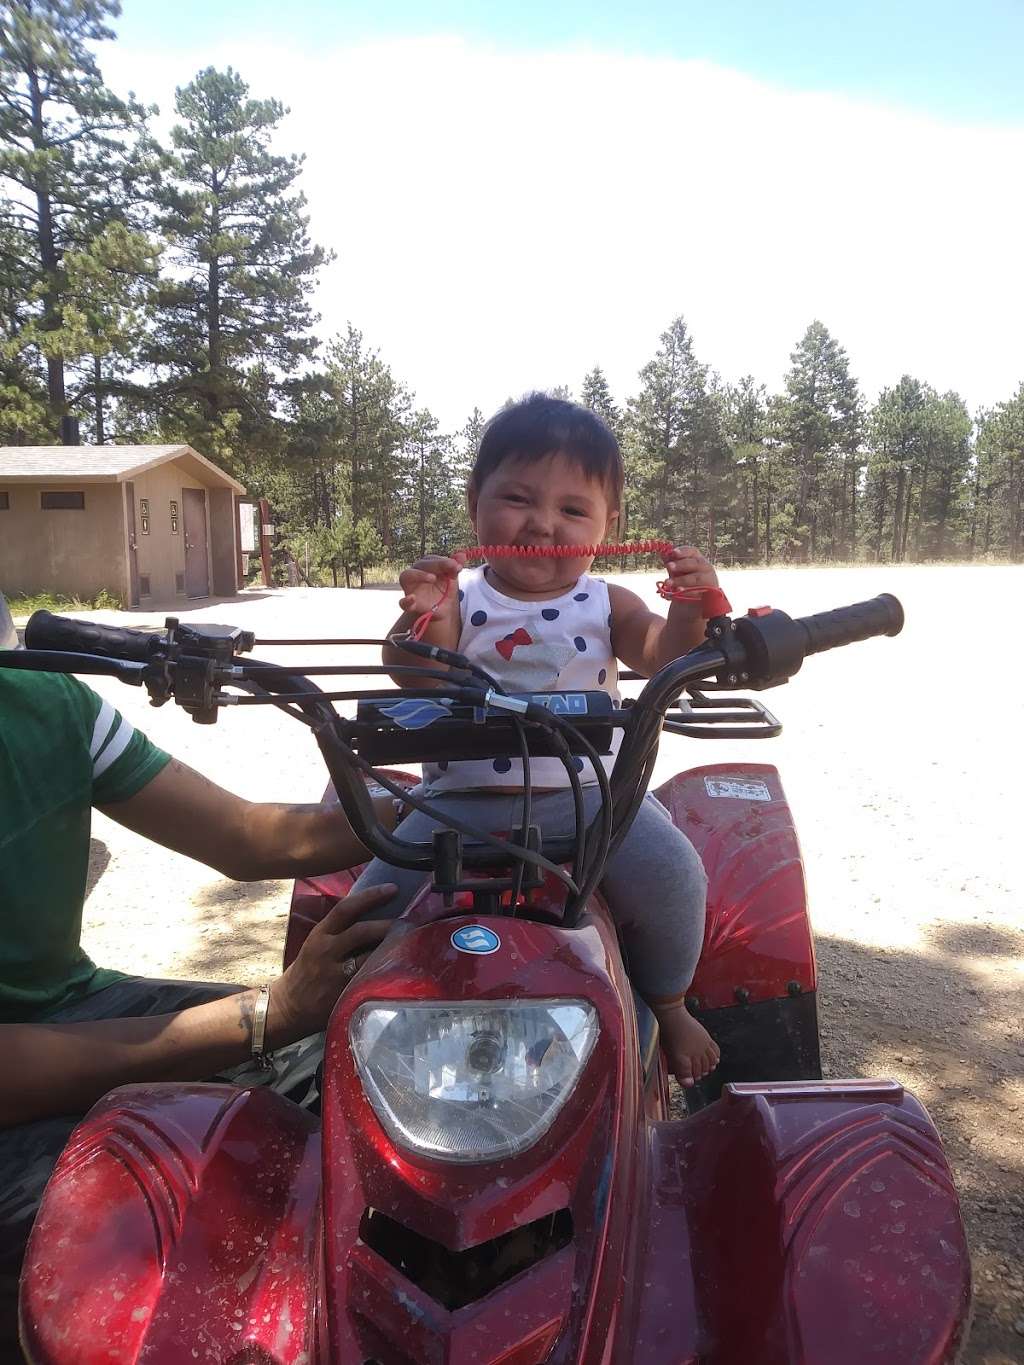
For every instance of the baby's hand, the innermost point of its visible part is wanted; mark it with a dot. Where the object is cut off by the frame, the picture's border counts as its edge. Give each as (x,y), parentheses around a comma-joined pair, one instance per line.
(687,568)
(423,584)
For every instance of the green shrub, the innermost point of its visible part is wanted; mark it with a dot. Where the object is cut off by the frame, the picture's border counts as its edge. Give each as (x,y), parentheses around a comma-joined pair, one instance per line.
(22,604)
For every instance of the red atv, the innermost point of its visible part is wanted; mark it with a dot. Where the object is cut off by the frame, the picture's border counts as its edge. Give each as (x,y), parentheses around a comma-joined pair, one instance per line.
(497,1178)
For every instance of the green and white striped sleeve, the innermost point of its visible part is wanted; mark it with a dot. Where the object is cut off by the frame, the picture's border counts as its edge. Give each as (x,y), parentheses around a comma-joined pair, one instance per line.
(123,759)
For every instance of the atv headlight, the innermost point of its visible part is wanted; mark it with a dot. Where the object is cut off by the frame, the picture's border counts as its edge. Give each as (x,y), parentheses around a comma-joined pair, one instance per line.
(471,1081)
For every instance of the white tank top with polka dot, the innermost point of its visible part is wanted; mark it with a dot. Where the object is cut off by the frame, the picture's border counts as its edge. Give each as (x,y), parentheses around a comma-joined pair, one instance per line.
(560,645)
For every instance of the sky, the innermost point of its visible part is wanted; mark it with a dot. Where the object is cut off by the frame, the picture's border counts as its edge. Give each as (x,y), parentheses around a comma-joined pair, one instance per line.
(518,192)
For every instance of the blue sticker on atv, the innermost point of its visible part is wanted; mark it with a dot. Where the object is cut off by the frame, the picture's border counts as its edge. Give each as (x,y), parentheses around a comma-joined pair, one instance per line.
(416,713)
(474,938)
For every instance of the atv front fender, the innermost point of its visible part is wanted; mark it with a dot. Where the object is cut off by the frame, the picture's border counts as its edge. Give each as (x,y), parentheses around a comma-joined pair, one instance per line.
(803,1223)
(180,1224)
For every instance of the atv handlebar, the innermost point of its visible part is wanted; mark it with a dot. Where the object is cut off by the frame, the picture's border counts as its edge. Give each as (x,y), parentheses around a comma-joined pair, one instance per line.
(47,631)
(882,615)
(759,650)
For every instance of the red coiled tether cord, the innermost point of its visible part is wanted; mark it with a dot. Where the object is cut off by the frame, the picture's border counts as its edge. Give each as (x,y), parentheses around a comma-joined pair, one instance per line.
(713,601)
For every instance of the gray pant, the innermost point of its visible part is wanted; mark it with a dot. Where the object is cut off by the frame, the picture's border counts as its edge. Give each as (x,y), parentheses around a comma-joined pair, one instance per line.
(654,883)
(29,1151)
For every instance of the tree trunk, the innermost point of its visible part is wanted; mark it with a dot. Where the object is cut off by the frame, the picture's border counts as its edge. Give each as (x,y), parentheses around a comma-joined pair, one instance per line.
(423,502)
(883,495)
(768,516)
(945,499)
(906,518)
(47,254)
(213,320)
(98,396)
(897,513)
(853,512)
(975,502)
(356,491)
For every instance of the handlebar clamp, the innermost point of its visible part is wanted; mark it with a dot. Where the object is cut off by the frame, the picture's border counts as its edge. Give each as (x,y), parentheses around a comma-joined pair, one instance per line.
(773,645)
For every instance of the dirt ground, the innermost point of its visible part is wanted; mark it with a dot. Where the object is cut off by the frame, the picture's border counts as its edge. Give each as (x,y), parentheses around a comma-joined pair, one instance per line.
(902,762)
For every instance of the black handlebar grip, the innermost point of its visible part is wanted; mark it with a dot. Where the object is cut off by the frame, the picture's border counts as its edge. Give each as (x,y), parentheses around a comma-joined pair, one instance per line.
(47,631)
(882,615)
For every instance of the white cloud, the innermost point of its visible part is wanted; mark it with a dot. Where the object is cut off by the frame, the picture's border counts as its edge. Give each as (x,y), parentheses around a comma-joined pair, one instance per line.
(506,220)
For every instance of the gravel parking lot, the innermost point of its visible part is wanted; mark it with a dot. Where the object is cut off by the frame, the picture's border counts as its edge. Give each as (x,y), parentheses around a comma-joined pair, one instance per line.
(903,767)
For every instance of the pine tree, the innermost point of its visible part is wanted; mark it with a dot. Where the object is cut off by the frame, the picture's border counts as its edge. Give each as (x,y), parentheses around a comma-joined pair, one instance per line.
(744,422)
(427,448)
(470,437)
(675,446)
(897,432)
(71,164)
(24,418)
(1001,447)
(242,265)
(597,396)
(820,423)
(368,431)
(110,286)
(942,495)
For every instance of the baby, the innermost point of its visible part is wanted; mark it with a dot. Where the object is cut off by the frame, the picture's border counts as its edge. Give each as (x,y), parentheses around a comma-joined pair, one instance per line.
(550,473)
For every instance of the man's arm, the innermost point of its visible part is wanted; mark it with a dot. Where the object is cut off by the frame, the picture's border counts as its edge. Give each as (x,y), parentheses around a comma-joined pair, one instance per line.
(63,1068)
(247,840)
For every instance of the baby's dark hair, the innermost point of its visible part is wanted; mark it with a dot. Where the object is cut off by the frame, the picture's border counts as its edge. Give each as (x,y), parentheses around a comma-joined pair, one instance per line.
(539,425)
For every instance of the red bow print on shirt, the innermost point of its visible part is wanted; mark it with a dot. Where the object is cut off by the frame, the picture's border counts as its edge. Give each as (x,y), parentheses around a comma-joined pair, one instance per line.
(506,645)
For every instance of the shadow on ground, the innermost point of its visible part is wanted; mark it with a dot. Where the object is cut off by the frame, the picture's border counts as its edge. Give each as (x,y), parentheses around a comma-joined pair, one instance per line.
(945,1021)
(99,860)
(235,938)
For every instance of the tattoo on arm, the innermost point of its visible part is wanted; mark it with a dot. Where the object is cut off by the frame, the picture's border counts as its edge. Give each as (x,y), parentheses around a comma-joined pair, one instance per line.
(246,1011)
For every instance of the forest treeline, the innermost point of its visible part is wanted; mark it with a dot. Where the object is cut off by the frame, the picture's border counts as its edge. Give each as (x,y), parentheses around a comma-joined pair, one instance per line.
(163,292)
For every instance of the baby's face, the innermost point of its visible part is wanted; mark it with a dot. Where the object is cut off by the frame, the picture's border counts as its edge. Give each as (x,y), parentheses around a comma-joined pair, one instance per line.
(541,502)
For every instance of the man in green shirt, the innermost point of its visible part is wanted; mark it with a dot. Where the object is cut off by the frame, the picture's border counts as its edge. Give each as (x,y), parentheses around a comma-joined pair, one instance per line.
(69,1030)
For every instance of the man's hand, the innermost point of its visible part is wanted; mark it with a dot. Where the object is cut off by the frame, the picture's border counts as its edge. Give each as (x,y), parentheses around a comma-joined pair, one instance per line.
(64,1067)
(302,999)
(687,568)
(424,582)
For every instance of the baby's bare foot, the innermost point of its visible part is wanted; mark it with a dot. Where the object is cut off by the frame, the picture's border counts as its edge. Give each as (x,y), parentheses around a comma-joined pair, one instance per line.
(689,1049)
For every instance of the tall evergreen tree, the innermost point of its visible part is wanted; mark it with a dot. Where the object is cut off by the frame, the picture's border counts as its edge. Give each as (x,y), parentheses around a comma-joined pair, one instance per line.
(942,496)
(440,521)
(368,432)
(597,396)
(1001,446)
(897,435)
(110,286)
(744,420)
(24,417)
(242,264)
(821,422)
(470,436)
(70,164)
(675,443)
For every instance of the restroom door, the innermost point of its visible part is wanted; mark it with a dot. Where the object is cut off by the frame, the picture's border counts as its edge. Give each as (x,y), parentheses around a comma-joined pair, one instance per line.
(133,549)
(197,555)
